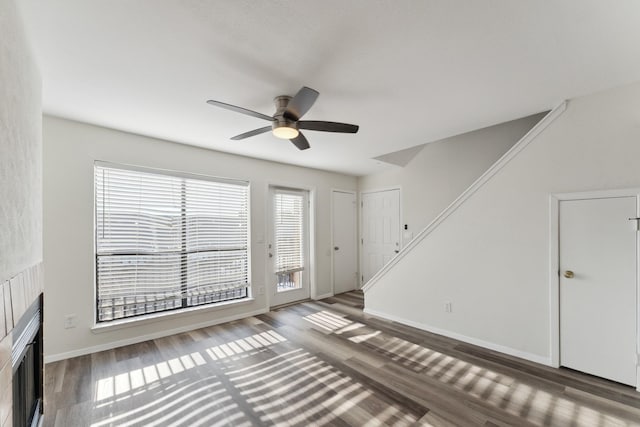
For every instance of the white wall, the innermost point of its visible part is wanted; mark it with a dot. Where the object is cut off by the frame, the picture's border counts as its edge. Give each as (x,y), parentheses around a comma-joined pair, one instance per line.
(20,188)
(490,257)
(444,169)
(20,148)
(69,153)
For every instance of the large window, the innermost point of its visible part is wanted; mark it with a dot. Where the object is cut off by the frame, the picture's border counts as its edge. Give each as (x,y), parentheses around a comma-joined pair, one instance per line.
(165,242)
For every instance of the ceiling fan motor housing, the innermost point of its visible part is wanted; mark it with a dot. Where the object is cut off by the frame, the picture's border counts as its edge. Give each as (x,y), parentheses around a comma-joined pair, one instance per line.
(279,120)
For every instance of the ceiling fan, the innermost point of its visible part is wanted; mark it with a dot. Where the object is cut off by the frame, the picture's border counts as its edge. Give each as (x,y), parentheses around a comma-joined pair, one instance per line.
(286,123)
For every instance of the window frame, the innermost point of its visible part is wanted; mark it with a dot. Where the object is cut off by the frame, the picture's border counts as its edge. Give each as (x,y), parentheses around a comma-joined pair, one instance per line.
(184,309)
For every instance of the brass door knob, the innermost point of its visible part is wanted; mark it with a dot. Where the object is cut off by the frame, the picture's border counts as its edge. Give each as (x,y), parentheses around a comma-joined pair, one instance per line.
(568,274)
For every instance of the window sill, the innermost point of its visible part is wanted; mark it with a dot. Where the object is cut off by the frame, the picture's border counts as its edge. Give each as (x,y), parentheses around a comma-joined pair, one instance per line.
(174,314)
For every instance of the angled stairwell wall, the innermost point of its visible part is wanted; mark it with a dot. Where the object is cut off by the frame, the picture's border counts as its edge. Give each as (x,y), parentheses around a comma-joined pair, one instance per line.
(439,171)
(488,253)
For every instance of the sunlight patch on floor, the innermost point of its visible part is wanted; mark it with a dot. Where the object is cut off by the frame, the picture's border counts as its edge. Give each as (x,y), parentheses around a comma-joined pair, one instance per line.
(360,338)
(535,405)
(109,387)
(297,387)
(266,365)
(327,320)
(176,401)
(162,393)
(242,345)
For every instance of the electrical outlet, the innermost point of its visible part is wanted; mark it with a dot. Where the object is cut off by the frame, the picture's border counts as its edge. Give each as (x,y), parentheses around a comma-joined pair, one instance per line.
(70,321)
(260,290)
(448,307)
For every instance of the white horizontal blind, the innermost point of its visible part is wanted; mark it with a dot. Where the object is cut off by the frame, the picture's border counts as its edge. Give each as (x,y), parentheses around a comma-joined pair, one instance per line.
(165,242)
(289,231)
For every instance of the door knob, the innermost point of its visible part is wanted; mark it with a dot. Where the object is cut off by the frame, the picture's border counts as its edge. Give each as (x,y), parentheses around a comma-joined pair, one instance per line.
(568,274)
(270,255)
(335,248)
(396,251)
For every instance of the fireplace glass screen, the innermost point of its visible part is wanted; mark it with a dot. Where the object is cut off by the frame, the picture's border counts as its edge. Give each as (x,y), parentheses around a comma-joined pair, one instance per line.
(27,371)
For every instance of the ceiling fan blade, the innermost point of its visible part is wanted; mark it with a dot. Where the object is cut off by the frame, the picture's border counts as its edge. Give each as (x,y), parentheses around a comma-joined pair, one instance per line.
(327,126)
(251,133)
(300,141)
(239,110)
(301,103)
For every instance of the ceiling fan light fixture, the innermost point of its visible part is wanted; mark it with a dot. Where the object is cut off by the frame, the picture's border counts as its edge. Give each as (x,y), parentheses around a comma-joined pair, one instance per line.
(286,120)
(285,132)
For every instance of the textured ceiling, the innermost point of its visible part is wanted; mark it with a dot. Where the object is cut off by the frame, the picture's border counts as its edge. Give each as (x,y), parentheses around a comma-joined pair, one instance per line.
(407,72)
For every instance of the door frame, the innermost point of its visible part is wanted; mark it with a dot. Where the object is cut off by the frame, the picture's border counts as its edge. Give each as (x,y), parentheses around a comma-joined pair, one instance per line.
(355,242)
(554,266)
(312,236)
(359,205)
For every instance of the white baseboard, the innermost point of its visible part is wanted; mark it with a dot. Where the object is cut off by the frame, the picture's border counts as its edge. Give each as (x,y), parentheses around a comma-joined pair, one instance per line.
(115,344)
(475,341)
(330,294)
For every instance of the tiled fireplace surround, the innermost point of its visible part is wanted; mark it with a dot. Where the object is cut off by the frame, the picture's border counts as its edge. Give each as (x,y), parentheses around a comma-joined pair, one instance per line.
(16,295)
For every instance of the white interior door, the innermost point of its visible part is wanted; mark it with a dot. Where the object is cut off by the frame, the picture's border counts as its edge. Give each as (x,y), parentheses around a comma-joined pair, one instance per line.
(288,248)
(344,235)
(380,230)
(598,299)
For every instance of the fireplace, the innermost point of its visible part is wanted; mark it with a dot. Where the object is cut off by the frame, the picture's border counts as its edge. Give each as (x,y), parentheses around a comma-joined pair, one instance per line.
(26,360)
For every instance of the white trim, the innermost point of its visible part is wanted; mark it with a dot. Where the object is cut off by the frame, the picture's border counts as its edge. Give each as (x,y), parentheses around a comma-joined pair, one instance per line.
(130,322)
(332,251)
(327,295)
(108,346)
(598,194)
(554,266)
(479,183)
(169,172)
(268,262)
(400,229)
(381,189)
(312,224)
(470,340)
(554,286)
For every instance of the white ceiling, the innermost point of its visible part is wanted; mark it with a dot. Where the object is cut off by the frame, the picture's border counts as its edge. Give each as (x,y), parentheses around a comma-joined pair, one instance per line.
(407,72)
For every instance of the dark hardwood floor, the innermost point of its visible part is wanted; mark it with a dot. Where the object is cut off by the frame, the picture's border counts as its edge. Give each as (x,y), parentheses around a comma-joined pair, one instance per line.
(323,363)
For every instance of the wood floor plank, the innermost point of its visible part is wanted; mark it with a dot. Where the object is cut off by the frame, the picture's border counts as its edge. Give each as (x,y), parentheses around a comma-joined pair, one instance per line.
(323,363)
